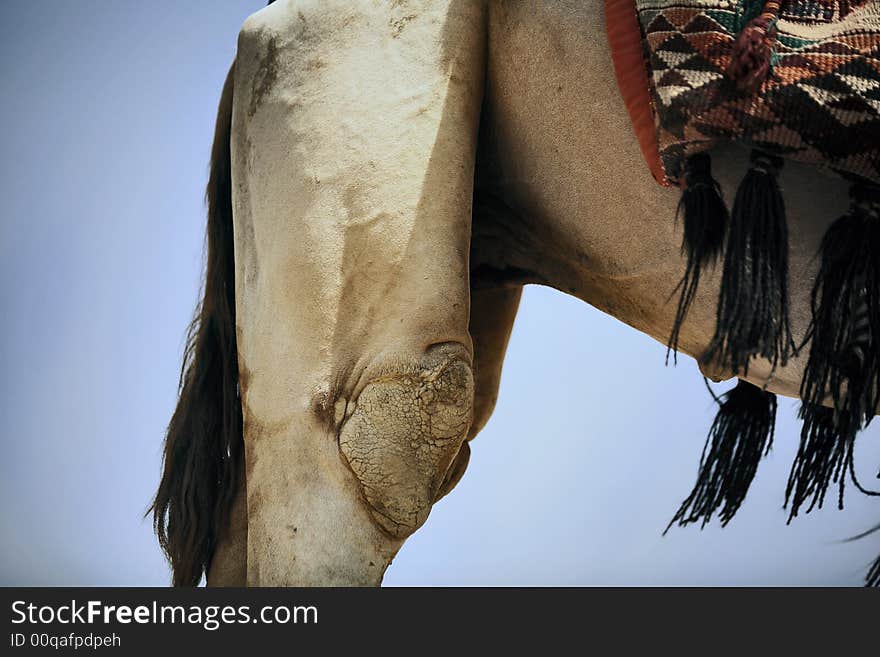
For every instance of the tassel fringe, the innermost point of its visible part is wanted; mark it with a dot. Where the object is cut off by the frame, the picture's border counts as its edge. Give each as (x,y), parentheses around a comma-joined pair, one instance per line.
(741,435)
(844,360)
(873,577)
(705,223)
(824,455)
(753,306)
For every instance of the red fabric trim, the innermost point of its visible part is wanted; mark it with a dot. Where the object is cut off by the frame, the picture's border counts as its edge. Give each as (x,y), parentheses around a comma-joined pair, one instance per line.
(625,38)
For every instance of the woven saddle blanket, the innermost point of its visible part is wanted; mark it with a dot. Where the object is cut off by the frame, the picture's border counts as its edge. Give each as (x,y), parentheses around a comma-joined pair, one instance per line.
(799,79)
(792,79)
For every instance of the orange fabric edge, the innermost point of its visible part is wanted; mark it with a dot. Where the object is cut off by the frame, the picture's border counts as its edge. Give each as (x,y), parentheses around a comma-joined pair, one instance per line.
(625,38)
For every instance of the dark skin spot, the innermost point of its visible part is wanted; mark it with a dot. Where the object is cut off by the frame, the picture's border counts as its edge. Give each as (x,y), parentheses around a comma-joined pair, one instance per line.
(322,407)
(265,77)
(255,501)
(244,374)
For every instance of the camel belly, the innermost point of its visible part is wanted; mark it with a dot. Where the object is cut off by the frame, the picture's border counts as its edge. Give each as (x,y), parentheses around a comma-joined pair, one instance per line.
(559,148)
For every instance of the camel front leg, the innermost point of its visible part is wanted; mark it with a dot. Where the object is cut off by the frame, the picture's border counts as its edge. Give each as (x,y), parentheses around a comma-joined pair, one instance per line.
(228,565)
(491,321)
(354,129)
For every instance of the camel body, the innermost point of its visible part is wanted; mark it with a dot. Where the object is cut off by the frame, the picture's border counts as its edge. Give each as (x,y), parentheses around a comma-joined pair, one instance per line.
(399,170)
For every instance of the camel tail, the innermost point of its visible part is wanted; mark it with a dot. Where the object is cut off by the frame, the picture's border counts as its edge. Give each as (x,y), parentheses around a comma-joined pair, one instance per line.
(203,454)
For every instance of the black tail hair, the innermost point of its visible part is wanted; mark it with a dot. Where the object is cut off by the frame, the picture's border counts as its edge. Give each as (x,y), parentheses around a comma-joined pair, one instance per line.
(203,456)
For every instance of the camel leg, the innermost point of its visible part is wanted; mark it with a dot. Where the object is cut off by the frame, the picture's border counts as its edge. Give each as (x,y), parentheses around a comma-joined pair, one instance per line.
(491,321)
(354,130)
(228,565)
(492,314)
(494,305)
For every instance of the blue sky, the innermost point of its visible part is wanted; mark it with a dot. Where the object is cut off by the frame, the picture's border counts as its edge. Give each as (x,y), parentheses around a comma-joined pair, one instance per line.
(106,127)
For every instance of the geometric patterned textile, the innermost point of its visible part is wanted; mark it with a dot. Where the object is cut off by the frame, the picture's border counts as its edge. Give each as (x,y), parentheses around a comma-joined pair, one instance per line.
(819,103)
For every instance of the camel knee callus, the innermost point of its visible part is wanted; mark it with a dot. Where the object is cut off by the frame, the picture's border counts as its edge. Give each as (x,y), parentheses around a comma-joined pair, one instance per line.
(403,433)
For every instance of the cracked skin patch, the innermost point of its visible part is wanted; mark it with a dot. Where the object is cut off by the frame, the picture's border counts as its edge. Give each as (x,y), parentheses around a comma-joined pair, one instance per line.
(403,436)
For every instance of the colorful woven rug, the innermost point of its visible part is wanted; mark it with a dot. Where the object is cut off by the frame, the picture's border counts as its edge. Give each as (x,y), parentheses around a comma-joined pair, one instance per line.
(818,101)
(793,80)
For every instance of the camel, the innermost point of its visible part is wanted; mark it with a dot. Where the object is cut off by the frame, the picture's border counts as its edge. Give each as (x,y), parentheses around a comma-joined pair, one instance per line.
(386,177)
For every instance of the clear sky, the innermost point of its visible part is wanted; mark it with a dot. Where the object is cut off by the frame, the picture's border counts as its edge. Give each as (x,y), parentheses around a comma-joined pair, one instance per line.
(106,125)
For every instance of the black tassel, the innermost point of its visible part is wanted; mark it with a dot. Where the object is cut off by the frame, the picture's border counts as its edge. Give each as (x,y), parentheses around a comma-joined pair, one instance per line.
(873,578)
(705,224)
(824,454)
(741,435)
(753,307)
(844,359)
